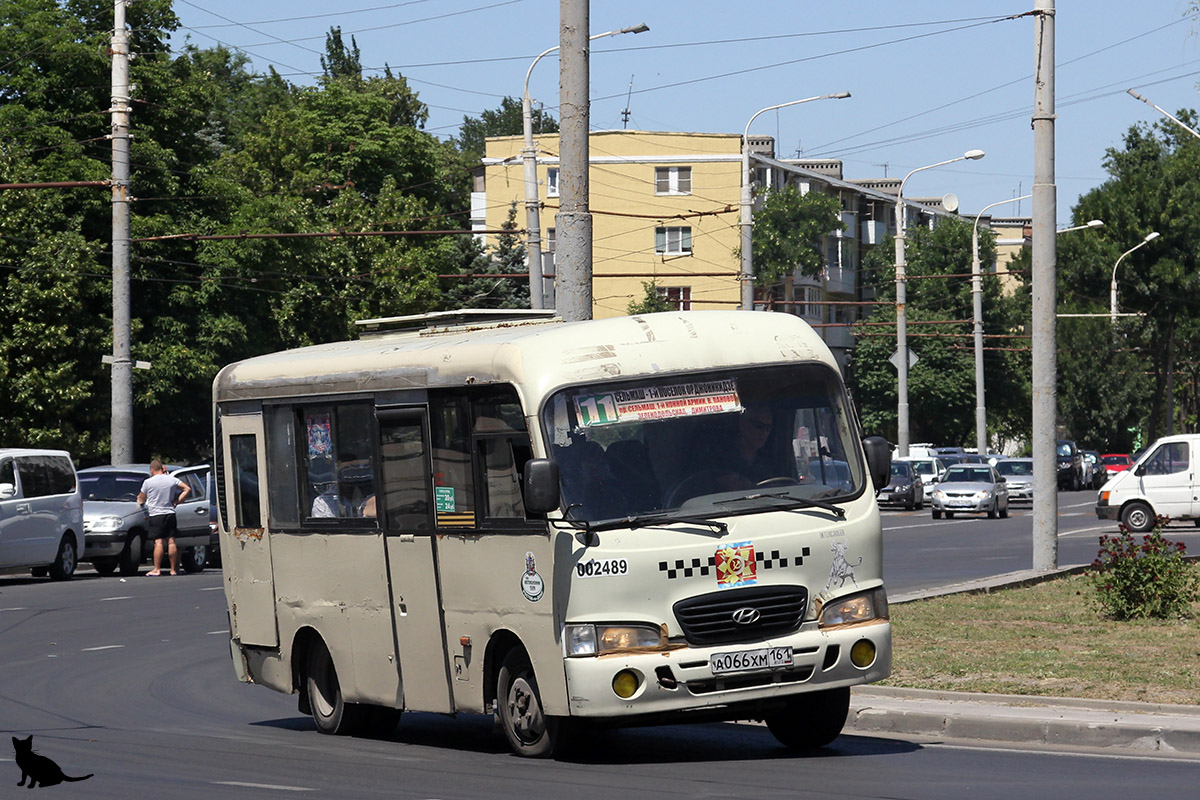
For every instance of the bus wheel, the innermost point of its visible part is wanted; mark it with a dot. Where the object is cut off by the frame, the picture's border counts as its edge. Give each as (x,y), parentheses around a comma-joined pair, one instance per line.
(1138,517)
(530,732)
(809,721)
(330,712)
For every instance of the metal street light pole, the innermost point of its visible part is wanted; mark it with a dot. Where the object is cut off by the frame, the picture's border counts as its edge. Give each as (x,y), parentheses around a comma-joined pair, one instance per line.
(1132,93)
(1093,223)
(747,222)
(533,233)
(977,302)
(1112,287)
(901,300)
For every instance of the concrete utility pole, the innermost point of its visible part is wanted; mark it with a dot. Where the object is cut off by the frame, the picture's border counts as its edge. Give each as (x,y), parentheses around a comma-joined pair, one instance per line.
(121,447)
(1045,297)
(573,259)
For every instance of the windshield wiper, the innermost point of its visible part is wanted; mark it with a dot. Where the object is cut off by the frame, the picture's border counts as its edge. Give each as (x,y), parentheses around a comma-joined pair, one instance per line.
(791,502)
(635,521)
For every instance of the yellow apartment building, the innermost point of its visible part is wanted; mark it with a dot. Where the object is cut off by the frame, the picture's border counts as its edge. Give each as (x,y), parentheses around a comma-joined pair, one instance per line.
(666,207)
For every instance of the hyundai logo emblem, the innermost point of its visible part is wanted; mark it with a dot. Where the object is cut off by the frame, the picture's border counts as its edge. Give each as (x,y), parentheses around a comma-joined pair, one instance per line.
(746,616)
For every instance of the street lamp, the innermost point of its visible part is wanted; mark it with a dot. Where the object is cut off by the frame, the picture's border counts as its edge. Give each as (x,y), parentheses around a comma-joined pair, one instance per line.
(1094,223)
(747,199)
(901,292)
(1112,287)
(977,301)
(533,233)
(1134,94)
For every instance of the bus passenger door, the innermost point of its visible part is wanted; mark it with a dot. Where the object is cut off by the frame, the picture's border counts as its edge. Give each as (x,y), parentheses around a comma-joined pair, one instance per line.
(245,545)
(406,519)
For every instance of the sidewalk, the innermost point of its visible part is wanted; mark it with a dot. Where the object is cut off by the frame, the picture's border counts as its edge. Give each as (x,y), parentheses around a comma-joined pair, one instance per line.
(1019,719)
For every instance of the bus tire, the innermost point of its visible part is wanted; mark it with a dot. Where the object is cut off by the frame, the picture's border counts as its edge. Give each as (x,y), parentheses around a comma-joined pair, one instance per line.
(812,720)
(331,713)
(529,730)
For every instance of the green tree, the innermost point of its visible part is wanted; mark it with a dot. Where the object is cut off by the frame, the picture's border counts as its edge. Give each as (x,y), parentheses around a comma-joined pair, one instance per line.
(1151,187)
(652,300)
(507,258)
(507,120)
(787,234)
(939,311)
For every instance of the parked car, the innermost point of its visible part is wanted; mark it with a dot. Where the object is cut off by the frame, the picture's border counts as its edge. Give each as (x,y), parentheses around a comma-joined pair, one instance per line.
(1018,475)
(904,487)
(971,489)
(1093,469)
(41,514)
(928,469)
(1070,465)
(116,527)
(1160,483)
(1115,463)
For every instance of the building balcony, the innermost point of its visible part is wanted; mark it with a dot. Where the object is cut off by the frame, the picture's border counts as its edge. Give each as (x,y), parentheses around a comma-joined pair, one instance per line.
(838,337)
(874,231)
(840,281)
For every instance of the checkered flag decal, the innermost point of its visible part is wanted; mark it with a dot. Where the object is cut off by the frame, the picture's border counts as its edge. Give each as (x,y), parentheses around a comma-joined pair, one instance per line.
(682,568)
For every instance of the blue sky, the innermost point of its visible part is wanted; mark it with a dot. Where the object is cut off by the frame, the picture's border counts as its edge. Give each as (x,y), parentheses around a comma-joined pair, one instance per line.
(929,80)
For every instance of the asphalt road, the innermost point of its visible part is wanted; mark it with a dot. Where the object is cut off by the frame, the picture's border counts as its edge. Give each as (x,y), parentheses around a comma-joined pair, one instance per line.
(132,681)
(920,552)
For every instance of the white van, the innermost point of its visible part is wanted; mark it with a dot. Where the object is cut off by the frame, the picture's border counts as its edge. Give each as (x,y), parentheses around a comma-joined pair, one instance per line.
(41,513)
(1163,483)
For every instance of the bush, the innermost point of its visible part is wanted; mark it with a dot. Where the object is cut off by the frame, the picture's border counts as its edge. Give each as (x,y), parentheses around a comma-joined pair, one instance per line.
(1139,580)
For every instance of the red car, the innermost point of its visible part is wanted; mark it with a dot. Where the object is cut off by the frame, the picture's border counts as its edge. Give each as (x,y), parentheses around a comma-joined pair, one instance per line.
(1116,462)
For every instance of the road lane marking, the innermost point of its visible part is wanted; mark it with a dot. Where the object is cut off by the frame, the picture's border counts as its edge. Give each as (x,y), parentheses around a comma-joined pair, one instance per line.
(214,589)
(123,597)
(218,633)
(269,786)
(15,608)
(103,647)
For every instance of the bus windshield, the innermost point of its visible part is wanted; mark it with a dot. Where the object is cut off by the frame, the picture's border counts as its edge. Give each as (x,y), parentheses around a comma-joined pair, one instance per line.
(705,443)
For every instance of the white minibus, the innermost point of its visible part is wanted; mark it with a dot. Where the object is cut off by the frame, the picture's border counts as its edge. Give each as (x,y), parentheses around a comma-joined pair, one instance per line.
(629,521)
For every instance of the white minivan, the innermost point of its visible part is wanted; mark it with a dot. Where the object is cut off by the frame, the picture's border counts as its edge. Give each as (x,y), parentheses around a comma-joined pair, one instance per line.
(1163,483)
(41,513)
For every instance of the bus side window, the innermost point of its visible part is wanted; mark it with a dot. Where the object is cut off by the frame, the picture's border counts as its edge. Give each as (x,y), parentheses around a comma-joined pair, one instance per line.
(243,452)
(405,505)
(503,447)
(453,475)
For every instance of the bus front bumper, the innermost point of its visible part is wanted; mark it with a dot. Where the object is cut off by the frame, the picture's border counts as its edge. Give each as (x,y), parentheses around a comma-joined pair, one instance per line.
(683,681)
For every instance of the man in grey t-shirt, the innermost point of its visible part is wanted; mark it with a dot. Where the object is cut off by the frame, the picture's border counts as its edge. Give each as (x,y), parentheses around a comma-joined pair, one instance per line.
(157,495)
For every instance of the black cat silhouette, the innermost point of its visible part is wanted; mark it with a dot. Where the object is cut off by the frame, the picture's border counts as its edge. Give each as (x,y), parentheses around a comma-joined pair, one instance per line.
(38,768)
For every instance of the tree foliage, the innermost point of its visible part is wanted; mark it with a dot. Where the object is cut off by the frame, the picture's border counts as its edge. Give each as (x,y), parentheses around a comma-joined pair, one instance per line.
(787,235)
(217,151)
(507,120)
(939,311)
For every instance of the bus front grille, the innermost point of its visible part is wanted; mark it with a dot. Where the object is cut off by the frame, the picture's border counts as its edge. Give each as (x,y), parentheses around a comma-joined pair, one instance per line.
(741,615)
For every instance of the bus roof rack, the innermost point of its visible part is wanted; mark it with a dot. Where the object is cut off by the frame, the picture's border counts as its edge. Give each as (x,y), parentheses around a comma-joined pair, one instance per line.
(463,317)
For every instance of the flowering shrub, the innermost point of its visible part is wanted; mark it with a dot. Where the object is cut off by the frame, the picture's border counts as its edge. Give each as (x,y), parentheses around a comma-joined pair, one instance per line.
(1147,578)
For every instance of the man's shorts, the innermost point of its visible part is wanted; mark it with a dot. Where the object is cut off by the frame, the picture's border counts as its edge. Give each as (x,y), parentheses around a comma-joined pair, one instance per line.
(162,526)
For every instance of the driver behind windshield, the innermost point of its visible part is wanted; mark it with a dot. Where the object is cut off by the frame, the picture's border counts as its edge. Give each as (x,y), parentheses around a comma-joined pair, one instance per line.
(739,457)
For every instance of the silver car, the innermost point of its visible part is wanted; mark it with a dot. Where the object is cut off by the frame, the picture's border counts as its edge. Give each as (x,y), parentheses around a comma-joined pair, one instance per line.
(1018,474)
(970,489)
(116,528)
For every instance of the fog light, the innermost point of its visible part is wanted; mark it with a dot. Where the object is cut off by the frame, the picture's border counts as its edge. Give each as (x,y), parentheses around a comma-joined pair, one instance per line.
(862,654)
(625,683)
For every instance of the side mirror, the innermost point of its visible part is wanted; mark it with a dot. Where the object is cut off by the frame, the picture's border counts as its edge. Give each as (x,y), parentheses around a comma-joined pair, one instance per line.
(7,490)
(1139,470)
(879,459)
(541,485)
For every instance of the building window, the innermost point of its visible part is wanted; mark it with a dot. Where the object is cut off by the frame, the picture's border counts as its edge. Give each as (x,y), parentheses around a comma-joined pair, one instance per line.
(678,296)
(808,297)
(673,241)
(672,180)
(552,182)
(550,241)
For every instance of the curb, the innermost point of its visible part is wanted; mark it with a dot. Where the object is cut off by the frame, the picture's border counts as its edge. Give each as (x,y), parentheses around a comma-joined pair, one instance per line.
(1141,727)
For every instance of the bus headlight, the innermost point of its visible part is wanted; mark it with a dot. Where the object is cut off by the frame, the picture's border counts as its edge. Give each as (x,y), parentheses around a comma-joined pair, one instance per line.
(861,607)
(594,640)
